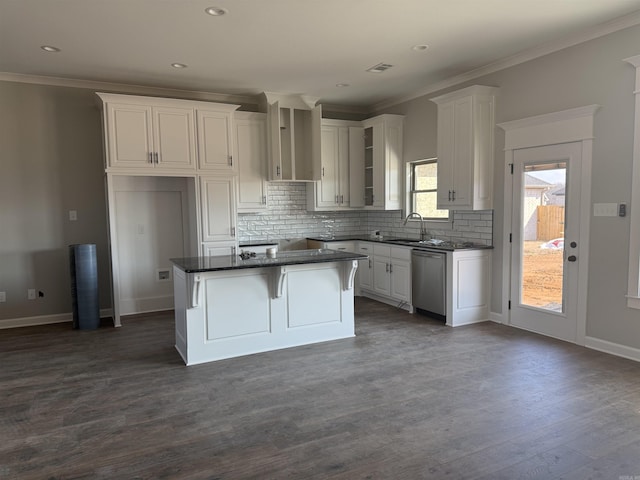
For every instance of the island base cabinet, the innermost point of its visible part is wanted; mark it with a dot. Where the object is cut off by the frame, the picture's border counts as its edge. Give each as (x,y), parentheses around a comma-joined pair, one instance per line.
(225,314)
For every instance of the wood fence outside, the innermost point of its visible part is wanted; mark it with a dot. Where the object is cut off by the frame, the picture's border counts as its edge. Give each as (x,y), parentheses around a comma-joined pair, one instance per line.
(550,222)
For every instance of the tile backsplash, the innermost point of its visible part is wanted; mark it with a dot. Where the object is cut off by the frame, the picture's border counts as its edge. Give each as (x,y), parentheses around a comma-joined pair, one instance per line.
(287,218)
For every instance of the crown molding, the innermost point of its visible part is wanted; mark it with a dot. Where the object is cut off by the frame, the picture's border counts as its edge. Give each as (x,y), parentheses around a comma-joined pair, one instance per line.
(597,31)
(127,88)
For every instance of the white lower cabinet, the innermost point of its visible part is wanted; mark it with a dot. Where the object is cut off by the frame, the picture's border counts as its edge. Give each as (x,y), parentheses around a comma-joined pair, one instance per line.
(468,286)
(389,275)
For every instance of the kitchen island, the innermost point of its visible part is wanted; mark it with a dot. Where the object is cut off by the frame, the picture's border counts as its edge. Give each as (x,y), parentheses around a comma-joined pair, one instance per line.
(226,306)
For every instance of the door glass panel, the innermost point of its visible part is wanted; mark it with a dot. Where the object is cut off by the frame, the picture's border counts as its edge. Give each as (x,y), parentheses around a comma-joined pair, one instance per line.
(543,223)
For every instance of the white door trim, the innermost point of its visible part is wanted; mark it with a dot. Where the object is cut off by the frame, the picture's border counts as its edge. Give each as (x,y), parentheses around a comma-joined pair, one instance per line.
(573,125)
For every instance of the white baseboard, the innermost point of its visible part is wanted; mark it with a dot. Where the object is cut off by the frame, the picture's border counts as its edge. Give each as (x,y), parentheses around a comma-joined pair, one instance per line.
(496,317)
(613,348)
(45,319)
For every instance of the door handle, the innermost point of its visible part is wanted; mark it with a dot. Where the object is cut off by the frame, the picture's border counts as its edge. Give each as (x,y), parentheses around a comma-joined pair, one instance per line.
(572,258)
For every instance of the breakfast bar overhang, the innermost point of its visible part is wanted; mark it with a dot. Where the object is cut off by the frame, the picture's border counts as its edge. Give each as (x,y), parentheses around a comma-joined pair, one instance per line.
(226,306)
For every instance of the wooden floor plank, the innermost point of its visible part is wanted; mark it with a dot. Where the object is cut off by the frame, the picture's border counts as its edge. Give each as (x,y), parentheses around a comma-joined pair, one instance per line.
(407,398)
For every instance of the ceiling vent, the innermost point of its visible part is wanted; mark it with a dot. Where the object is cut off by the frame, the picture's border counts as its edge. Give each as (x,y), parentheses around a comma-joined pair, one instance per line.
(379,68)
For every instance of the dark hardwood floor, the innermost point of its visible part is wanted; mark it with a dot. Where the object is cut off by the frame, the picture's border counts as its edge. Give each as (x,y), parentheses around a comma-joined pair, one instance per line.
(408,398)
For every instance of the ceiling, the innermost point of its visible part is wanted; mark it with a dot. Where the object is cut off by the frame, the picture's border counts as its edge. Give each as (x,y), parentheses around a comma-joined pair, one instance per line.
(286,46)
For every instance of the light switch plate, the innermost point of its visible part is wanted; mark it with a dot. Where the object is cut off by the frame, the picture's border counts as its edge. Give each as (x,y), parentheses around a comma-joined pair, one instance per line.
(3,297)
(605,209)
(73,215)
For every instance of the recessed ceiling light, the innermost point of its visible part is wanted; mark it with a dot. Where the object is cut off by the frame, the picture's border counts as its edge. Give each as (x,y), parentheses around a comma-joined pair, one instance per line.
(379,68)
(342,85)
(216,11)
(420,48)
(49,48)
(178,65)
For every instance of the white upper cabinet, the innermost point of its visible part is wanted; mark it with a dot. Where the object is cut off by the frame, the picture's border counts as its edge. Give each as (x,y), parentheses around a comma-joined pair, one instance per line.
(294,137)
(332,191)
(250,148)
(466,120)
(145,133)
(383,164)
(215,140)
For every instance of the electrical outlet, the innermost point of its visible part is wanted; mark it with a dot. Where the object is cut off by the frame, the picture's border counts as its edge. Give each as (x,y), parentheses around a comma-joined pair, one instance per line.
(31,294)
(3,297)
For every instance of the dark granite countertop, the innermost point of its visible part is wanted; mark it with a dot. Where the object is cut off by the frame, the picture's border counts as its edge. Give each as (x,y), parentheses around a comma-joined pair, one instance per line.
(258,244)
(445,246)
(233,262)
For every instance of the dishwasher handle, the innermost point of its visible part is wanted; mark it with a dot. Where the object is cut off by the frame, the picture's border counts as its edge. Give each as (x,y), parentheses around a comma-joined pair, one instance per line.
(422,253)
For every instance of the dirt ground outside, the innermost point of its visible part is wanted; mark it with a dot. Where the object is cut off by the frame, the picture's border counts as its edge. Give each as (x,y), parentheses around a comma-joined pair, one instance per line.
(542,282)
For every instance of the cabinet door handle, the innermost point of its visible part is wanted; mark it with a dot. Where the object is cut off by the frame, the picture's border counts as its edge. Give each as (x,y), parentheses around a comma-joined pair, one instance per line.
(231,160)
(341,199)
(369,263)
(391,268)
(278,170)
(454,195)
(449,195)
(233,231)
(323,171)
(337,199)
(387,267)
(150,157)
(264,199)
(156,155)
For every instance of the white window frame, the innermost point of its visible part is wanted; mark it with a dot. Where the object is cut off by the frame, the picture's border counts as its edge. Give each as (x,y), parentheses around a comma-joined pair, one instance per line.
(430,223)
(633,292)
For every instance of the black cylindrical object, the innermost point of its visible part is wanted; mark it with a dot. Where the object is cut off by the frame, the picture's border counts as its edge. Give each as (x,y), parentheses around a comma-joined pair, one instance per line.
(84,286)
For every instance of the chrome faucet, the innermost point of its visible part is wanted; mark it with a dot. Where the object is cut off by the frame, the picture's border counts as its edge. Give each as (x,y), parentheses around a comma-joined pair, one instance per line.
(423,232)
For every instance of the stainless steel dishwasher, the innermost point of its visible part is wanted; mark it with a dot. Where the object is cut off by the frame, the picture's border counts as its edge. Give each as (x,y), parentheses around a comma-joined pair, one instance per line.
(428,280)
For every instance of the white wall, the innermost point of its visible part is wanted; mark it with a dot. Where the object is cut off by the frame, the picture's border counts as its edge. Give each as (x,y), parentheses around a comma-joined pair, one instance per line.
(154,223)
(50,163)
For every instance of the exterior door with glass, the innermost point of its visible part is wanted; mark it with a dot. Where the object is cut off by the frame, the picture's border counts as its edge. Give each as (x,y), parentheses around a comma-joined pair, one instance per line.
(545,243)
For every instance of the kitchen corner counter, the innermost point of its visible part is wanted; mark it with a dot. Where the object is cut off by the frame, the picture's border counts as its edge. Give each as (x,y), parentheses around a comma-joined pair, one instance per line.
(261,260)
